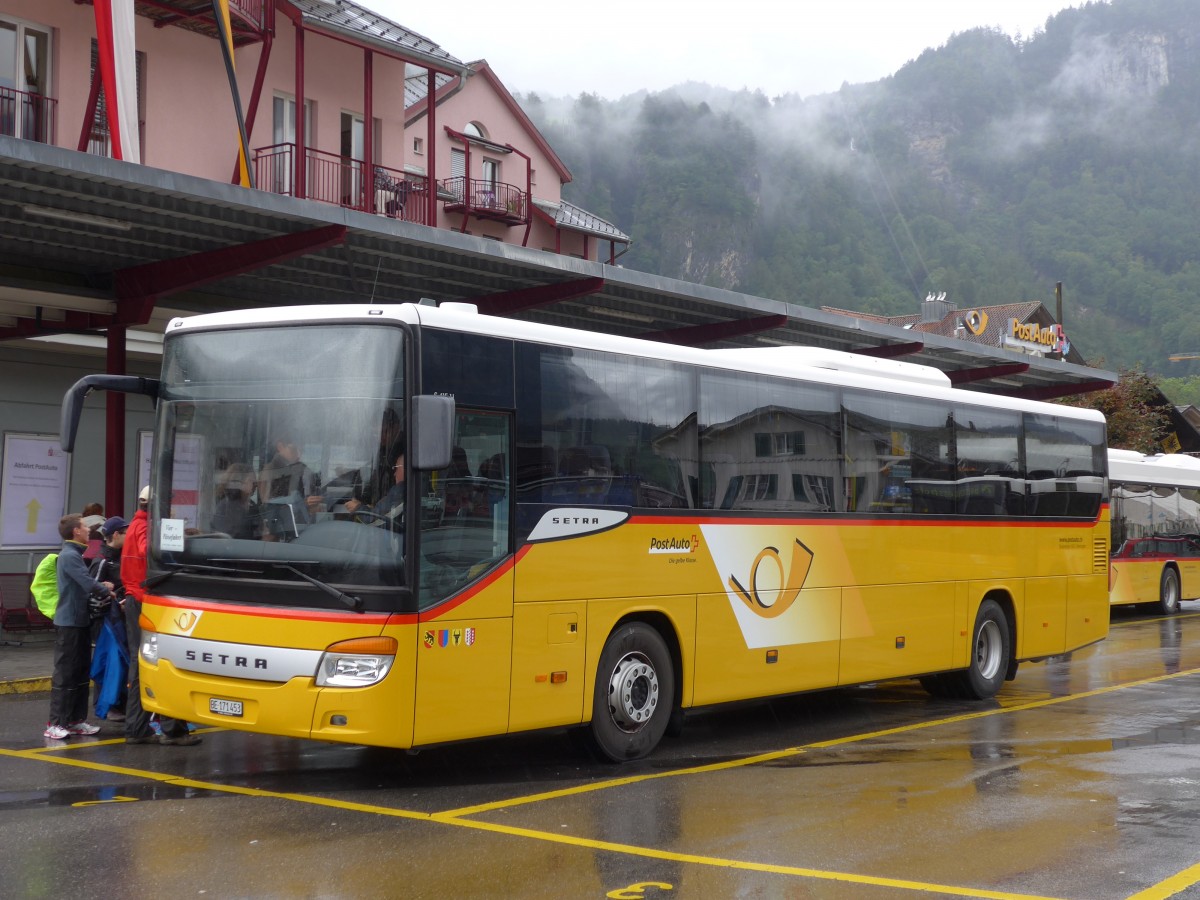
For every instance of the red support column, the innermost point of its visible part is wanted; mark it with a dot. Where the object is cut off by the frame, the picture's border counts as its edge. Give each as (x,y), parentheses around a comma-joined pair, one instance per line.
(431,148)
(256,94)
(299,187)
(114,425)
(368,132)
(89,113)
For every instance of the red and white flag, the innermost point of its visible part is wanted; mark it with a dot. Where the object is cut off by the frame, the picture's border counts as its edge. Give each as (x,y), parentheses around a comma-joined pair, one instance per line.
(118,74)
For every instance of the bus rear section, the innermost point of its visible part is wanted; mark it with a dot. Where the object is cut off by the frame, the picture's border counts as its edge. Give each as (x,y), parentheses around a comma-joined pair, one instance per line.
(1155,530)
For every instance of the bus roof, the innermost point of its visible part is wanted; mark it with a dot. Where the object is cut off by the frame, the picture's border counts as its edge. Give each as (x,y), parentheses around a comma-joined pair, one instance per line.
(815,364)
(1168,469)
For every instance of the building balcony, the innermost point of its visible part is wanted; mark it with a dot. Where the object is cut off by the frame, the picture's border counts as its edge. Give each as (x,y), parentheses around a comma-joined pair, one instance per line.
(336,179)
(484,199)
(28,116)
(247,18)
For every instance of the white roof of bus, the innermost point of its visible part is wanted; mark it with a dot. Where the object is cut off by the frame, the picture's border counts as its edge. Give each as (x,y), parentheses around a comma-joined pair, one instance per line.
(814,363)
(1131,467)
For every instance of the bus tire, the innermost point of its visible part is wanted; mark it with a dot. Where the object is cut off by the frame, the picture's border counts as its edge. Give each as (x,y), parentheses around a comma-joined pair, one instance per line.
(990,660)
(634,693)
(990,652)
(1168,592)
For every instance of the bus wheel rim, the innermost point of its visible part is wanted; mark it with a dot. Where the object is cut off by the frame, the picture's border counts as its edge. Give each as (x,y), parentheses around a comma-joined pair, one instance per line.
(989,647)
(632,692)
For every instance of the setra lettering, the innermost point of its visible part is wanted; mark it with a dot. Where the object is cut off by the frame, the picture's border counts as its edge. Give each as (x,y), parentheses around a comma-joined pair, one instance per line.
(226,660)
(575,520)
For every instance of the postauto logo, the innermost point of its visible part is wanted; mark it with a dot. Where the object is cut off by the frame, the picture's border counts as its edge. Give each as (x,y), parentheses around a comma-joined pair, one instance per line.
(764,570)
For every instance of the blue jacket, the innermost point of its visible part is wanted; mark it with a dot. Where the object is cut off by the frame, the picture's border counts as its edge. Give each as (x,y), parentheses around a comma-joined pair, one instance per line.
(75,586)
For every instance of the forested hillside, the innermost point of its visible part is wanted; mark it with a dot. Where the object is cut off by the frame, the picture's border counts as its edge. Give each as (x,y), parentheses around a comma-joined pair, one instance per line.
(989,168)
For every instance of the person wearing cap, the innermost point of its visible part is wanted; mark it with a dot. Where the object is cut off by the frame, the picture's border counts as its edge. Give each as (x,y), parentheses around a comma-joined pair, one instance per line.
(133,574)
(110,658)
(72,634)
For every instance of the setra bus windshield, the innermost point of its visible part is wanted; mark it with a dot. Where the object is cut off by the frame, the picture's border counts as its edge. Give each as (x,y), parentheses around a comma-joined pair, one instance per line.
(276,465)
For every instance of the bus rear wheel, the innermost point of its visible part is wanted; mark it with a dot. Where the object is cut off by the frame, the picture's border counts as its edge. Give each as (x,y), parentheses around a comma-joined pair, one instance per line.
(990,652)
(634,694)
(1168,592)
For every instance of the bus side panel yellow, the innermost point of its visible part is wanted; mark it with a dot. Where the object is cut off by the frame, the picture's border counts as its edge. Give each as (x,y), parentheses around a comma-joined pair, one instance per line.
(1087,610)
(381,715)
(896,630)
(727,669)
(463,670)
(602,619)
(1189,577)
(1042,630)
(1132,579)
(548,638)
(965,607)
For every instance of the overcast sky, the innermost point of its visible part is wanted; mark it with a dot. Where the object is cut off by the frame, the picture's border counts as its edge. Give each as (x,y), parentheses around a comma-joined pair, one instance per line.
(779,46)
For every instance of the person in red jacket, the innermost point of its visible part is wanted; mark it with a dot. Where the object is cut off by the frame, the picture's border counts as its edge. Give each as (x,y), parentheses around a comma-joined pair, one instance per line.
(133,575)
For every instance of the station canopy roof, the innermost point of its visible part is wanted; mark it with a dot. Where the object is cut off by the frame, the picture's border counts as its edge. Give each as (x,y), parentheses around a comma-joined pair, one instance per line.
(87,242)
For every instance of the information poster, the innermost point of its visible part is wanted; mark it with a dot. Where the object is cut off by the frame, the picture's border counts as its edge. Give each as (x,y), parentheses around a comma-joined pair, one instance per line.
(145,442)
(185,478)
(33,491)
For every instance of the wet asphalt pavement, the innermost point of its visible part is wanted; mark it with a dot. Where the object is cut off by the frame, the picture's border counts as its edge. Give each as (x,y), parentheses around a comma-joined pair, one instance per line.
(1081,781)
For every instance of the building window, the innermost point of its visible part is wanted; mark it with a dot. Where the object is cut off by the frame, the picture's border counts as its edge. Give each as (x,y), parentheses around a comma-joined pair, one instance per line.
(99,141)
(283,137)
(419,146)
(787,443)
(25,109)
(474,129)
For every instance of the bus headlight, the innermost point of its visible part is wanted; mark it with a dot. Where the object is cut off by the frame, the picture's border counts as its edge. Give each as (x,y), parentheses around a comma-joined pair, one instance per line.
(356,663)
(149,651)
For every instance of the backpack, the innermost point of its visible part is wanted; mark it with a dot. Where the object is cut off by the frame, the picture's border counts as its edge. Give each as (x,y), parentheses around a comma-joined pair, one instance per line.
(44,586)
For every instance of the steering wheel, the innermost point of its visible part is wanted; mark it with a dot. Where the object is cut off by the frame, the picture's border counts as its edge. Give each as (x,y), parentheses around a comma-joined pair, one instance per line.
(370,516)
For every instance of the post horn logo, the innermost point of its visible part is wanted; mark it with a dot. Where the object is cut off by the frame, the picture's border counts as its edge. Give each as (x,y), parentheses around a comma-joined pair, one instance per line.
(976,321)
(186,620)
(791,581)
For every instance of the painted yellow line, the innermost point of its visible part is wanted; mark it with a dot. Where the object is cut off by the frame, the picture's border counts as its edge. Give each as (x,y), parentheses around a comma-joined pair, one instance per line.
(1171,886)
(41,755)
(796,751)
(457,818)
(744,865)
(25,686)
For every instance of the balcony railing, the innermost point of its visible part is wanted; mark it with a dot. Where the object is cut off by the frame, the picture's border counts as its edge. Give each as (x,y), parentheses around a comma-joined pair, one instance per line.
(26,115)
(253,11)
(336,179)
(486,199)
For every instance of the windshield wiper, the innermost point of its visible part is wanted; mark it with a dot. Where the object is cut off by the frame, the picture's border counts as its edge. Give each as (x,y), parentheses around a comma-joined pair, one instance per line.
(176,568)
(351,601)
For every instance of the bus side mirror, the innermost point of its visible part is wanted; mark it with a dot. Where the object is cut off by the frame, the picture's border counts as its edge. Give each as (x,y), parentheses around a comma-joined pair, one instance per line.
(433,431)
(72,405)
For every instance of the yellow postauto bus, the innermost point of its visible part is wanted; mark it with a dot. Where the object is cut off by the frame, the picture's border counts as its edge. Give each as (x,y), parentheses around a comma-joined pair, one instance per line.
(1155,542)
(408,525)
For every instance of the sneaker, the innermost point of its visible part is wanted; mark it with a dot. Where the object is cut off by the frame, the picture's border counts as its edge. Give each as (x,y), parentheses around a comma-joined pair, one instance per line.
(182,740)
(114,716)
(55,732)
(150,738)
(83,728)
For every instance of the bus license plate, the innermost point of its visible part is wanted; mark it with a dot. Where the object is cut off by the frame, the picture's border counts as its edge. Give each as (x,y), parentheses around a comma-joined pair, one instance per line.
(225,707)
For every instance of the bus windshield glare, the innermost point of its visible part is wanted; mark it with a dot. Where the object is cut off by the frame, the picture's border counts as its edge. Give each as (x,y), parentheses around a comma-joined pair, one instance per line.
(276,462)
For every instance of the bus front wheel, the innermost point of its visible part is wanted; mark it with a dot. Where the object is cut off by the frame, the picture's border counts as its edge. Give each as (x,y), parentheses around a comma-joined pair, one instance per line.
(1168,592)
(635,690)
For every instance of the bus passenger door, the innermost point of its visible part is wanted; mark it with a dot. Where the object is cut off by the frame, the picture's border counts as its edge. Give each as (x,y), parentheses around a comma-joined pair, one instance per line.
(466,585)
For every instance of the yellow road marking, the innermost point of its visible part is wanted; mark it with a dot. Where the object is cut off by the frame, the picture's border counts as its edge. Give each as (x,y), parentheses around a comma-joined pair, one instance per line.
(1171,886)
(457,818)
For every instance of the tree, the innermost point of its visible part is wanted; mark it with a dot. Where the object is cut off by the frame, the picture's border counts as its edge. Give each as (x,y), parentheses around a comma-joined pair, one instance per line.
(1134,408)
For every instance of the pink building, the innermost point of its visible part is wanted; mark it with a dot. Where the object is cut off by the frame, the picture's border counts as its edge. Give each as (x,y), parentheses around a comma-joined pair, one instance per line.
(335,106)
